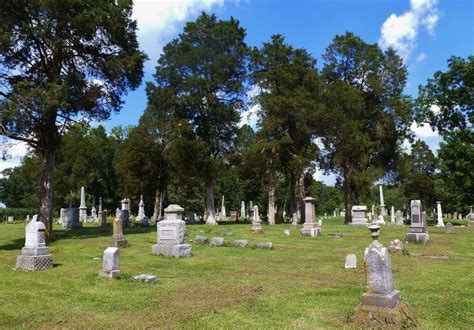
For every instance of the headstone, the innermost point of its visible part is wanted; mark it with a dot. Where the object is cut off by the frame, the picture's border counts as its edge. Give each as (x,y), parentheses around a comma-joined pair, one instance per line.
(110,263)
(256,222)
(294,221)
(217,241)
(242,210)
(146,278)
(369,215)
(359,215)
(100,206)
(118,240)
(351,261)
(94,214)
(343,213)
(264,245)
(223,210)
(392,215)
(191,217)
(69,218)
(10,218)
(383,211)
(418,228)
(455,215)
(449,228)
(103,220)
(399,218)
(287,232)
(82,207)
(337,211)
(241,243)
(234,216)
(201,240)
(141,217)
(459,216)
(125,212)
(27,218)
(380,220)
(34,255)
(470,218)
(396,246)
(171,234)
(310,226)
(381,302)
(211,218)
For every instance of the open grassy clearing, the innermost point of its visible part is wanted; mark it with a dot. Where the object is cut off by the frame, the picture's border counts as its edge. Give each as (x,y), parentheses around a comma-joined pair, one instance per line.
(301,283)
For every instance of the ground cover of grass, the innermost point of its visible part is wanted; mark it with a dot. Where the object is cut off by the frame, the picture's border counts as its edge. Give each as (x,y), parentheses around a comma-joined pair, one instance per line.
(301,283)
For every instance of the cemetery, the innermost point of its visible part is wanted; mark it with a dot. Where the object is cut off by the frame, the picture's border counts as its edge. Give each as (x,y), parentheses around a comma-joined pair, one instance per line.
(236,165)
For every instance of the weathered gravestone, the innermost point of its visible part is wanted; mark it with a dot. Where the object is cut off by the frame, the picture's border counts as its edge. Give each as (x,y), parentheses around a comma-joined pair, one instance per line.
(470,219)
(264,245)
(381,303)
(201,240)
(243,216)
(418,228)
(359,213)
(69,218)
(392,216)
(310,226)
(234,216)
(141,217)
(35,254)
(110,263)
(217,241)
(82,207)
(449,228)
(351,261)
(399,218)
(171,234)
(396,246)
(256,222)
(118,240)
(125,212)
(241,243)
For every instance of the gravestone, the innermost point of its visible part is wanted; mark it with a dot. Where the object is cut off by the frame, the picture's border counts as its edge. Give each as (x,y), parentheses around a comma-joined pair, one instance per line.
(242,210)
(256,222)
(392,215)
(141,217)
(449,228)
(110,263)
(470,218)
(223,216)
(103,220)
(201,240)
(34,255)
(396,246)
(380,220)
(118,240)
(418,228)
(381,303)
(125,212)
(359,215)
(294,221)
(383,210)
(399,218)
(94,214)
(69,218)
(460,216)
(83,207)
(351,261)
(287,232)
(234,216)
(171,234)
(264,245)
(10,218)
(217,241)
(146,278)
(310,226)
(191,217)
(241,243)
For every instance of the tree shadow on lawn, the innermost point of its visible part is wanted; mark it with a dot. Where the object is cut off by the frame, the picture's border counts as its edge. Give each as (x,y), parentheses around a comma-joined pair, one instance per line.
(16,244)
(94,232)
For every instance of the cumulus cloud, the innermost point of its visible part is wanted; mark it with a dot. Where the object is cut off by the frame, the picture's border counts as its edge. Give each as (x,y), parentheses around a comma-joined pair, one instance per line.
(400,32)
(158,21)
(423,130)
(421,57)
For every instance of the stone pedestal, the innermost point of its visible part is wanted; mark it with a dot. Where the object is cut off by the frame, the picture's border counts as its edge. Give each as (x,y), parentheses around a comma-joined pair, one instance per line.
(118,240)
(359,218)
(418,228)
(311,226)
(440,215)
(34,256)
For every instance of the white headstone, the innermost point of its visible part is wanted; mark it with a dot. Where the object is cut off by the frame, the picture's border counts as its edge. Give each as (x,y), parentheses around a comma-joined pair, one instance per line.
(110,263)
(392,215)
(351,261)
(83,207)
(440,215)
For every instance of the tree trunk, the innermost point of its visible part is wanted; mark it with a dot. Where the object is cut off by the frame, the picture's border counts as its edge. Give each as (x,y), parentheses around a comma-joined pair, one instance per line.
(46,192)
(157,207)
(292,195)
(271,197)
(211,214)
(347,200)
(301,196)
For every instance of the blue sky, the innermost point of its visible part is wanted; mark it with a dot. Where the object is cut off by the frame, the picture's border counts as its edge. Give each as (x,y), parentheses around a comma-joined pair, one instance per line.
(425,32)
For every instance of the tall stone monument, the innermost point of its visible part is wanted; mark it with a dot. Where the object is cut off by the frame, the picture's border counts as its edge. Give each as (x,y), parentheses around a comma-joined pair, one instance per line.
(418,228)
(35,254)
(141,217)
(470,218)
(118,240)
(125,212)
(223,210)
(381,303)
(359,218)
(83,207)
(392,216)
(94,214)
(311,226)
(440,215)
(171,234)
(256,222)
(110,263)
(383,210)
(243,214)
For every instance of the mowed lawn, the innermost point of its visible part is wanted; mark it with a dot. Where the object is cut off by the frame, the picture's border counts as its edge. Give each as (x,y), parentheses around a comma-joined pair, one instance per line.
(300,283)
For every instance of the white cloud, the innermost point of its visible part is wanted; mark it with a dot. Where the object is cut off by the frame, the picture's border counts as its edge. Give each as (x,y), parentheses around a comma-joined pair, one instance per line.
(158,21)
(15,151)
(421,57)
(423,130)
(400,32)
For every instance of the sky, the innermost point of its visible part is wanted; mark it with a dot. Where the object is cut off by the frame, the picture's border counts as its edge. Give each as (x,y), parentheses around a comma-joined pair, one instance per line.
(424,32)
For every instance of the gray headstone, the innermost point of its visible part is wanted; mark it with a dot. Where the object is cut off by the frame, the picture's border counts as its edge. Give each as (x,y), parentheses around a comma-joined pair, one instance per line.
(396,246)
(35,255)
(359,215)
(217,241)
(241,243)
(146,278)
(418,228)
(201,240)
(449,228)
(110,263)
(351,261)
(264,245)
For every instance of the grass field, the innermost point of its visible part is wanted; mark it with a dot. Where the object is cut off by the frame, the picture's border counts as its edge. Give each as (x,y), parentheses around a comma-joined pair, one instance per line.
(301,283)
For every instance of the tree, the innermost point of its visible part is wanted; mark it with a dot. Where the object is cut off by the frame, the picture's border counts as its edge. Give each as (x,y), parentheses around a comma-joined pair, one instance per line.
(205,67)
(367,116)
(60,60)
(447,99)
(289,99)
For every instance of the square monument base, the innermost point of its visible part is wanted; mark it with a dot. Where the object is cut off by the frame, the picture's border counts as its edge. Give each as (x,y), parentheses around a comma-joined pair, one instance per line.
(34,263)
(420,238)
(359,223)
(389,300)
(118,242)
(380,317)
(109,273)
(310,232)
(176,251)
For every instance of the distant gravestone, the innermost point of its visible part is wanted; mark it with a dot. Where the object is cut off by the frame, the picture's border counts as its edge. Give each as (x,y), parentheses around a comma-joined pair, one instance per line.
(287,232)
(418,228)
(201,240)
(35,255)
(241,243)
(69,218)
(118,240)
(310,226)
(82,207)
(110,263)
(264,245)
(351,261)
(171,234)
(396,246)
(359,218)
(141,217)
(399,218)
(449,228)
(146,278)
(217,241)
(234,216)
(256,222)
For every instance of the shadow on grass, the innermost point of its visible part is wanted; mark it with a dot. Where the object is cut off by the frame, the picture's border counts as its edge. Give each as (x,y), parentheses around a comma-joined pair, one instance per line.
(16,244)
(94,232)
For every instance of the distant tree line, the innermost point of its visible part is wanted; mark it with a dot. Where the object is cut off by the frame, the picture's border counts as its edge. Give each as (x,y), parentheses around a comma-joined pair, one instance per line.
(349,118)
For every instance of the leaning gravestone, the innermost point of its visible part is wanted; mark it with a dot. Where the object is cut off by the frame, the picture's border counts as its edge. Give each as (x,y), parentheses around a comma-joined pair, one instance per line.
(110,263)
(359,213)
(310,226)
(418,228)
(35,255)
(351,261)
(381,303)
(118,240)
(171,234)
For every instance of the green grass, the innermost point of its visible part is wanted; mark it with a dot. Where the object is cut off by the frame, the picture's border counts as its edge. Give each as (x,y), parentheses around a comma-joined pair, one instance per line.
(301,283)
